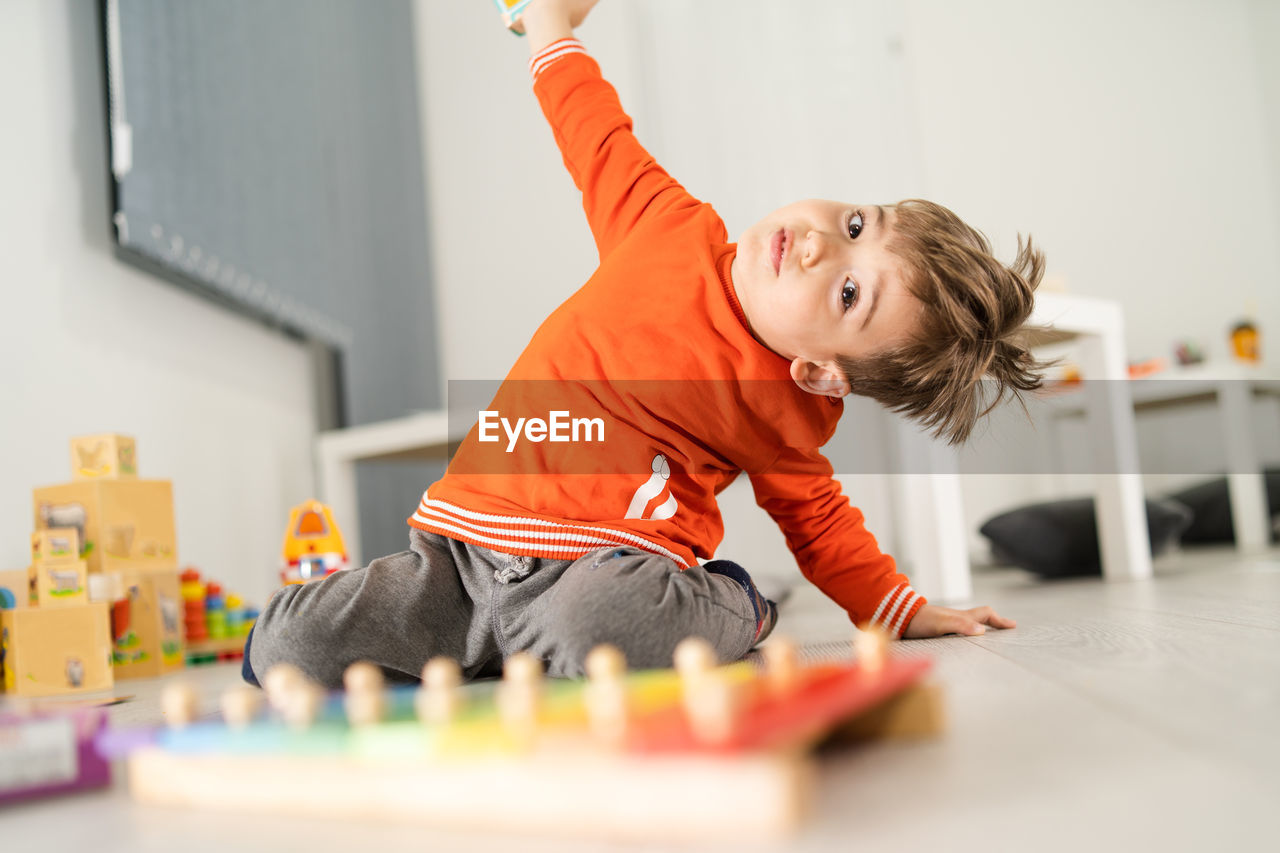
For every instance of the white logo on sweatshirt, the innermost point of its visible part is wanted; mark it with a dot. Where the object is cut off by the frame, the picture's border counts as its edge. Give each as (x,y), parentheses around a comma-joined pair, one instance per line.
(651,490)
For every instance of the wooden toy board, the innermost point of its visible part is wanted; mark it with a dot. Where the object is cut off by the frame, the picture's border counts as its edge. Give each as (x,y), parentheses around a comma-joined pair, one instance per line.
(659,781)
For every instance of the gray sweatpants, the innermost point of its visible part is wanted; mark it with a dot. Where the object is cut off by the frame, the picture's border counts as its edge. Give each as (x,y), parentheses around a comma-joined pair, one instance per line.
(445,597)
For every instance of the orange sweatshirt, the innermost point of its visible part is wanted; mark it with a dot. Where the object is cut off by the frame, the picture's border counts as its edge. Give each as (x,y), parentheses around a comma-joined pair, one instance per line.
(645,394)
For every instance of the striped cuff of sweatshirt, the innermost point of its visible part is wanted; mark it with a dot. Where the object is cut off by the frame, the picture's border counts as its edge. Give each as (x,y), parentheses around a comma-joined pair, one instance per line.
(553,52)
(896,609)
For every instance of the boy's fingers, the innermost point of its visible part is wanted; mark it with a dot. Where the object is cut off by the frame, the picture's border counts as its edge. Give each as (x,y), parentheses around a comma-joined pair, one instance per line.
(963,625)
(989,617)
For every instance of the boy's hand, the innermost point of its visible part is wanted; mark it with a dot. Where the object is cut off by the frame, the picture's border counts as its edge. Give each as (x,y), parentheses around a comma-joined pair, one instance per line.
(546,21)
(931,621)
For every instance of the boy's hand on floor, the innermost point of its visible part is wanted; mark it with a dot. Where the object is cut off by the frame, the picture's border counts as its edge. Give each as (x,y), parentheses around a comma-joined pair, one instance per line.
(931,621)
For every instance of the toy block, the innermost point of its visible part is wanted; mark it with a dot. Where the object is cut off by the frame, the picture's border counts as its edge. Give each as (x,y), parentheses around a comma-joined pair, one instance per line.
(55,543)
(120,523)
(49,651)
(109,455)
(15,588)
(61,582)
(917,712)
(511,11)
(146,629)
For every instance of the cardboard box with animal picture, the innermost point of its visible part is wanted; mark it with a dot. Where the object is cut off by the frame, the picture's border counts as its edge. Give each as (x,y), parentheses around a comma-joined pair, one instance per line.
(119,523)
(146,624)
(47,651)
(103,456)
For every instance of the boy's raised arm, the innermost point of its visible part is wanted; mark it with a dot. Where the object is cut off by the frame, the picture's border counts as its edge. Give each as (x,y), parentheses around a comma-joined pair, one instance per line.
(621,184)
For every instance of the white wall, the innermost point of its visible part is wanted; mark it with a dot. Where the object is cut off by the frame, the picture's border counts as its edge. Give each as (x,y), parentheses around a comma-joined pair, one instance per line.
(1129,138)
(218,404)
(1137,142)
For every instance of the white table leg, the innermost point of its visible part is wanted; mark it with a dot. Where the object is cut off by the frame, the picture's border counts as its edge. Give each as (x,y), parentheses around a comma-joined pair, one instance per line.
(931,522)
(337,482)
(1120,506)
(1245,483)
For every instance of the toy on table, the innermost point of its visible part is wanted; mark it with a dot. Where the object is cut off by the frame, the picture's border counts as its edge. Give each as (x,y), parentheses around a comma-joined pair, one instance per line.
(1188,352)
(702,751)
(313,546)
(1244,342)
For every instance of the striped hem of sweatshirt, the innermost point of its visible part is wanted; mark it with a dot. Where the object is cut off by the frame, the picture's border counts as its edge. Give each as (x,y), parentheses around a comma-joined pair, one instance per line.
(533,537)
(552,53)
(896,609)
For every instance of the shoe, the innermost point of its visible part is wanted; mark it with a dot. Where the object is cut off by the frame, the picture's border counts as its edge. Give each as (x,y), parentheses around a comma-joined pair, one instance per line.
(766,611)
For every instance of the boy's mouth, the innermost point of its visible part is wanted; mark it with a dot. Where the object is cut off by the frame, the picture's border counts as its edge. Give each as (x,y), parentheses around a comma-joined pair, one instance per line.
(778,249)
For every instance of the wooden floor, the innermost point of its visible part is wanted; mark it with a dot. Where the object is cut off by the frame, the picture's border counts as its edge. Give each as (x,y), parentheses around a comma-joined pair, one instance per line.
(1116,716)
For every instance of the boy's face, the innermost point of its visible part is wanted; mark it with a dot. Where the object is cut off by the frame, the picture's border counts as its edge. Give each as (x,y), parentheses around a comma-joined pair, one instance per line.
(816,279)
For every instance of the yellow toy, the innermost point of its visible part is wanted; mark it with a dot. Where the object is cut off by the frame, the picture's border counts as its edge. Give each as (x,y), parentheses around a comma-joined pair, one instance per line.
(313,546)
(1244,342)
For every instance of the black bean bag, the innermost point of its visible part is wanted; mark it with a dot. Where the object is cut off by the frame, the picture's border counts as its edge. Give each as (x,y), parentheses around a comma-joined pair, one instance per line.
(1059,539)
(1211,506)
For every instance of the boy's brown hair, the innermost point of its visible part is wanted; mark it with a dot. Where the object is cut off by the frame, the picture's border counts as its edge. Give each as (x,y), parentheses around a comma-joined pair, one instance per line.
(967,355)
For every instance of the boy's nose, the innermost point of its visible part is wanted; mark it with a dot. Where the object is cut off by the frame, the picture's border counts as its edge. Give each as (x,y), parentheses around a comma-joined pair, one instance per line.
(815,245)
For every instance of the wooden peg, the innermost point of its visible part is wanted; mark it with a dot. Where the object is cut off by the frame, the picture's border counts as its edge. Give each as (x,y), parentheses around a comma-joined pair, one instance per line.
(440,697)
(363,675)
(278,680)
(178,704)
(870,647)
(301,703)
(605,694)
(519,694)
(710,702)
(365,701)
(694,657)
(781,664)
(240,705)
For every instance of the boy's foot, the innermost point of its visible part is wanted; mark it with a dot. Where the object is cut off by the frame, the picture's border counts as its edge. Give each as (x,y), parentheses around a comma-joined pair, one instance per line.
(766,611)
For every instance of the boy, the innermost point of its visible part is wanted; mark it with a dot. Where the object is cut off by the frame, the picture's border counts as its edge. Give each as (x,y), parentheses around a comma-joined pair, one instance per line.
(686,360)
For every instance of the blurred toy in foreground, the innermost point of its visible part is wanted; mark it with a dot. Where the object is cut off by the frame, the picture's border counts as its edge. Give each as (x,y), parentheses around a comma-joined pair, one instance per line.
(313,546)
(596,758)
(44,754)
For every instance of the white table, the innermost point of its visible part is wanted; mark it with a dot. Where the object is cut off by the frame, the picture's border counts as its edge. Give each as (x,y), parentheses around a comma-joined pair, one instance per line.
(1232,387)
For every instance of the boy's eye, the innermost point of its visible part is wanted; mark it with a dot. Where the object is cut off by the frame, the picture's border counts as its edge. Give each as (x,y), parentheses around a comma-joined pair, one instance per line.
(855,225)
(849,294)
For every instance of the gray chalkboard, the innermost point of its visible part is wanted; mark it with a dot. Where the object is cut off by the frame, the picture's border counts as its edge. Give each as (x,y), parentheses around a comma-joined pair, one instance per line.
(267,154)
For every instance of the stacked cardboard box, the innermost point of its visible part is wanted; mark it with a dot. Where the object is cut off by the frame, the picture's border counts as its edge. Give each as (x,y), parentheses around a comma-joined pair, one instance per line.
(125,546)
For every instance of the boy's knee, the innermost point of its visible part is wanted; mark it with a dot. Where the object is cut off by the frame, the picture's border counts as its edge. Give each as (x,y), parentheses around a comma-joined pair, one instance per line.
(283,634)
(639,602)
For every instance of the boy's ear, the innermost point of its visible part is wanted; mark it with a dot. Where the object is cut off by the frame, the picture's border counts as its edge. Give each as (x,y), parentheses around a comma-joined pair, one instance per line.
(823,379)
